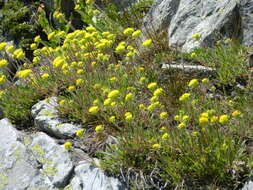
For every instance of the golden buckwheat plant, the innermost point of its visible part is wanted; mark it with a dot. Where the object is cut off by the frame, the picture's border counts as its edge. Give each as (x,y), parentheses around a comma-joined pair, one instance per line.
(190,139)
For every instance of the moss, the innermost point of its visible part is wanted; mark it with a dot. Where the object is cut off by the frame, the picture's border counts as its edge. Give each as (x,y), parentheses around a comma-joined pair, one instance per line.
(38,151)
(49,171)
(4,180)
(48,113)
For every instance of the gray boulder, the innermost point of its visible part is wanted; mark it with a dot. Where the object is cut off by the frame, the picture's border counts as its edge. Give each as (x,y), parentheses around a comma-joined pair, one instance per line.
(213,19)
(159,16)
(47,119)
(246,7)
(55,161)
(18,169)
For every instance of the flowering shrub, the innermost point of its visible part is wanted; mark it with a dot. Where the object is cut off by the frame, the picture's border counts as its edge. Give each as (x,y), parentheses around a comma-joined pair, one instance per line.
(188,137)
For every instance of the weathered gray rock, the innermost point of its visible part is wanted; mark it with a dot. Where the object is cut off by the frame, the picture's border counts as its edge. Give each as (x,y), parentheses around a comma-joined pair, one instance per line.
(188,68)
(212,19)
(55,161)
(18,169)
(246,7)
(92,178)
(46,118)
(159,16)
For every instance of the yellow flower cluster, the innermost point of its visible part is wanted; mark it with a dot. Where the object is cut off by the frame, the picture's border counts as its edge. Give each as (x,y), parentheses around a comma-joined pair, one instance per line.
(24,73)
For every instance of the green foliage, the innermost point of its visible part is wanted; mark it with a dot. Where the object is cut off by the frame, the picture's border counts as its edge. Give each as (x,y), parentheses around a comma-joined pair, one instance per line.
(19,22)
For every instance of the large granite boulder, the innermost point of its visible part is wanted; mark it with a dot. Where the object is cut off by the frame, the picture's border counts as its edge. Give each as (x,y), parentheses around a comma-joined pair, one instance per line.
(212,19)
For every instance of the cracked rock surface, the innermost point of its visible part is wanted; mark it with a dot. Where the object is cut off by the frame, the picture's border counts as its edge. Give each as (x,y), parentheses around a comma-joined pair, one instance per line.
(46,118)
(37,162)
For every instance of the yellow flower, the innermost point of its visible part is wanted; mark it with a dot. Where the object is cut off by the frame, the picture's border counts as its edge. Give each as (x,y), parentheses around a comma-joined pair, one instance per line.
(2,45)
(165,136)
(33,45)
(141,106)
(80,132)
(158,92)
(3,63)
(37,39)
(147,43)
(163,115)
(80,71)
(203,120)
(136,34)
(71,88)
(45,76)
(177,117)
(196,36)
(120,49)
(156,146)
(36,60)
(128,116)
(10,49)
(93,63)
(113,79)
(113,104)
(204,114)
(193,55)
(95,102)
(113,94)
(93,109)
(205,80)
(214,119)
(152,85)
(67,145)
(107,101)
(193,83)
(51,36)
(2,79)
(151,107)
(223,119)
(79,82)
(143,79)
(112,119)
(128,31)
(195,133)
(99,128)
(62,102)
(184,97)
(154,99)
(181,126)
(88,2)
(129,97)
(24,73)
(236,113)
(186,118)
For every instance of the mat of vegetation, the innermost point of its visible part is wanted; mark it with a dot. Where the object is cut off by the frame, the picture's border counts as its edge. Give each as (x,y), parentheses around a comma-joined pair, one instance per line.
(170,130)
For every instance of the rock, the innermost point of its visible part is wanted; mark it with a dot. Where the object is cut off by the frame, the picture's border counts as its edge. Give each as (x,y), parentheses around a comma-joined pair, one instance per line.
(248,185)
(246,7)
(18,169)
(92,178)
(55,160)
(159,16)
(47,119)
(211,19)
(189,68)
